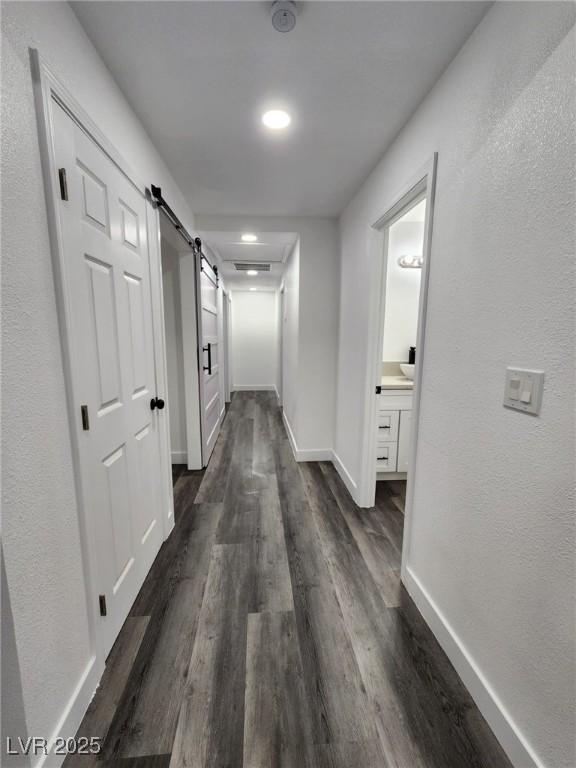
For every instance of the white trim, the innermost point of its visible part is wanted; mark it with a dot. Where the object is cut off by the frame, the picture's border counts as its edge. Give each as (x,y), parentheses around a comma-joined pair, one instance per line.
(345,475)
(74,711)
(179,457)
(314,454)
(420,348)
(160,364)
(305,454)
(277,395)
(290,434)
(226,342)
(391,476)
(498,718)
(253,388)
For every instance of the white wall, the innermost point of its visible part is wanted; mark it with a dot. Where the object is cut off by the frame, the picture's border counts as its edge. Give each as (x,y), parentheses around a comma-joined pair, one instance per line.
(493,518)
(254,344)
(312,312)
(174,352)
(402,291)
(46,589)
(291,334)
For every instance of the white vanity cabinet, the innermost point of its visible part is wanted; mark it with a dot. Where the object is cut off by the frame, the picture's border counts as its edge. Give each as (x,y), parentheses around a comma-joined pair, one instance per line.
(393,430)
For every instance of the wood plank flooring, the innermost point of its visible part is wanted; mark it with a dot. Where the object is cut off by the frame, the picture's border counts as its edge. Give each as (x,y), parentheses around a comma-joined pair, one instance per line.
(273,630)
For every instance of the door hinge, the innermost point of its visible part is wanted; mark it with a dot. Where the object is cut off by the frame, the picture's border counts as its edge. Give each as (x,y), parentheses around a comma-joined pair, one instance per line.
(378,389)
(85,419)
(63,183)
(102,601)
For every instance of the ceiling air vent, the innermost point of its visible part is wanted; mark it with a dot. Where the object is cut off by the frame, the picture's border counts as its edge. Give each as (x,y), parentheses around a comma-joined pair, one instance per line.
(242,266)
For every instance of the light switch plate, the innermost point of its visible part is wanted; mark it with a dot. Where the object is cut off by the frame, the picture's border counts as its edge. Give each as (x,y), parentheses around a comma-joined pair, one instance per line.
(523,389)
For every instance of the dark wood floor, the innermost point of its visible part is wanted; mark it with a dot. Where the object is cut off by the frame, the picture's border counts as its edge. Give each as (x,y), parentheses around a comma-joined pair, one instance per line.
(273,630)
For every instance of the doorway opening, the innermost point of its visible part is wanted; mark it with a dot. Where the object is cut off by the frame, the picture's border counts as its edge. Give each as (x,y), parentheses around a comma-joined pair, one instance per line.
(402,258)
(195,311)
(257,268)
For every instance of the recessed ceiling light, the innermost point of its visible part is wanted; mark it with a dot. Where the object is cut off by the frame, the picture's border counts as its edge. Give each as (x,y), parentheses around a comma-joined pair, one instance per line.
(248,237)
(253,289)
(251,272)
(276,119)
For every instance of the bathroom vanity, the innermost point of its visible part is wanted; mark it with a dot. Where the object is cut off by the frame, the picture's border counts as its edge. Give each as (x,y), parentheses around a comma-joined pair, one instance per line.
(393,427)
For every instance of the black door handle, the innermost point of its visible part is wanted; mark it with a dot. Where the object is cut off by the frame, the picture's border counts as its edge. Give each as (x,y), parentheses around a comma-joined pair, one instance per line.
(157,402)
(208,348)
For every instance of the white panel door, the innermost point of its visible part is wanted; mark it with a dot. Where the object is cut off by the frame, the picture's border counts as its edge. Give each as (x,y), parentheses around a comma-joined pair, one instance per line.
(106,258)
(207,302)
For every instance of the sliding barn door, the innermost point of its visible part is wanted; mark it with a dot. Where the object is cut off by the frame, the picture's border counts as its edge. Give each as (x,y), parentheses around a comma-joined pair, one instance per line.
(210,406)
(107,264)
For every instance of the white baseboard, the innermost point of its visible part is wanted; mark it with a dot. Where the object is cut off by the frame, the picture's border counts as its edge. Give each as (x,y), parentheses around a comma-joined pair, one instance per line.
(346,476)
(391,475)
(290,434)
(179,457)
(74,711)
(505,729)
(314,454)
(305,454)
(253,388)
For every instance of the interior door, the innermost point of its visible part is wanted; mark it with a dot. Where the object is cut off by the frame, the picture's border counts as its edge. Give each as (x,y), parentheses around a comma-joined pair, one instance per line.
(207,302)
(107,264)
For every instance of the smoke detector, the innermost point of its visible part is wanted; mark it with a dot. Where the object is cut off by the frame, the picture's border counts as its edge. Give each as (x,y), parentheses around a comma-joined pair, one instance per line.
(284,15)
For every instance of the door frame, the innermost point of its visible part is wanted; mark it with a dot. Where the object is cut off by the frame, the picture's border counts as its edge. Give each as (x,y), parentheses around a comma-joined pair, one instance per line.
(47,90)
(280,367)
(421,185)
(226,343)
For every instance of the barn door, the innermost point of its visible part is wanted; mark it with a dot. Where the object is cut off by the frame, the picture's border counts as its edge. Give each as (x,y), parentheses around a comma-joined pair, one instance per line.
(209,374)
(107,264)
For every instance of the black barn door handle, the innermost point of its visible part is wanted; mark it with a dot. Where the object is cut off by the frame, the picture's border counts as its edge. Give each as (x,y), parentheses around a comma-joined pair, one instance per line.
(208,348)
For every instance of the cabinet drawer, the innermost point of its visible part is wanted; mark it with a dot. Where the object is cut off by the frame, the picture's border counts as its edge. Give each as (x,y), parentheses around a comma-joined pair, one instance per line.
(386,457)
(387,426)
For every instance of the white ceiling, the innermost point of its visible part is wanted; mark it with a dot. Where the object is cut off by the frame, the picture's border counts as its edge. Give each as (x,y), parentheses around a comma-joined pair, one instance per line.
(199,75)
(272,248)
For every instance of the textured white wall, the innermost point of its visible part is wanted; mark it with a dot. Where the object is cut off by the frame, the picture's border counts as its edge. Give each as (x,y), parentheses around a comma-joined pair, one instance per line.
(40,528)
(402,291)
(311,396)
(493,517)
(174,357)
(254,344)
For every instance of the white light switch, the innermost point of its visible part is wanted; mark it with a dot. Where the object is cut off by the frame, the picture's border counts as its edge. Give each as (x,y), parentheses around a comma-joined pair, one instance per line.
(523,389)
(514,389)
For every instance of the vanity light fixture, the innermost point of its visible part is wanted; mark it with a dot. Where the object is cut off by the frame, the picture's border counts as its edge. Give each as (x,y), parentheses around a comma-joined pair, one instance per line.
(276,119)
(251,272)
(410,262)
(248,237)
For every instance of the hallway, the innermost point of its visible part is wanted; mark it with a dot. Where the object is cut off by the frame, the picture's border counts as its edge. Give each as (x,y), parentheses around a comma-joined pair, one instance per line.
(272,629)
